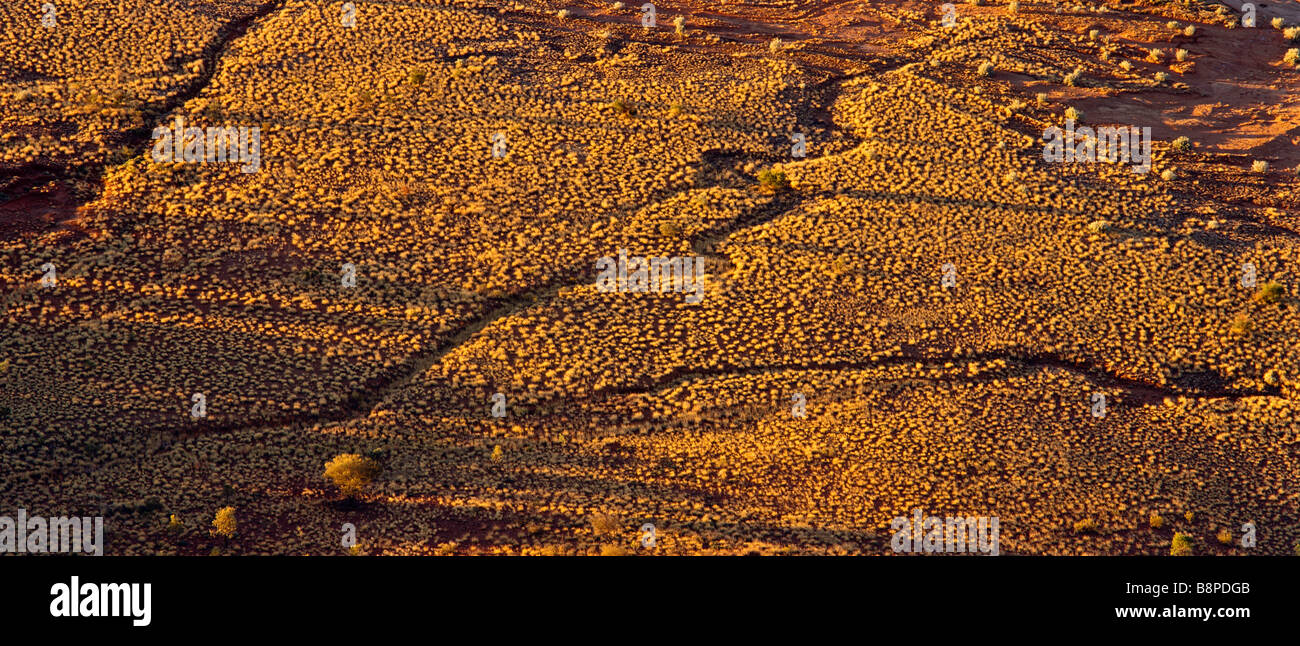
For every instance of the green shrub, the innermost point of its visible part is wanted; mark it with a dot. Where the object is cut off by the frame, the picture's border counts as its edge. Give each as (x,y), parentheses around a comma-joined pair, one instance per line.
(1242,325)
(773,181)
(623,109)
(1270,292)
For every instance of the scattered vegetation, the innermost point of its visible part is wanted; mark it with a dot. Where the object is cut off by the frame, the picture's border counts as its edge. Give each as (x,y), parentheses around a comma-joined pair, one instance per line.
(197,278)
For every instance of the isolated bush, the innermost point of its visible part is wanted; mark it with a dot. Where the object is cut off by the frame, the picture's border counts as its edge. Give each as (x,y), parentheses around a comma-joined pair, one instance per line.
(1087,525)
(1155,521)
(604,524)
(772,181)
(1181,545)
(1259,166)
(1270,292)
(1182,144)
(224,523)
(1242,325)
(623,109)
(351,473)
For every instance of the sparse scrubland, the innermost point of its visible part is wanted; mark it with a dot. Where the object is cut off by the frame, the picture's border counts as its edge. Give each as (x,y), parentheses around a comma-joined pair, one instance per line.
(417,254)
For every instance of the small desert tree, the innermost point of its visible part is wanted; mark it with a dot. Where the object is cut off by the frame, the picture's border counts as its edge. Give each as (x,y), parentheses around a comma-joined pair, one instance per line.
(351,473)
(224,523)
